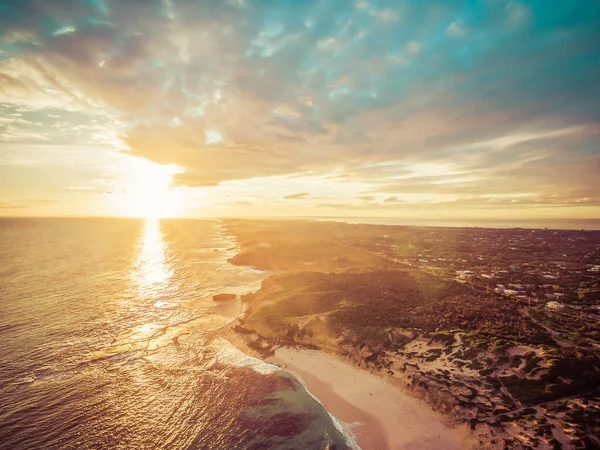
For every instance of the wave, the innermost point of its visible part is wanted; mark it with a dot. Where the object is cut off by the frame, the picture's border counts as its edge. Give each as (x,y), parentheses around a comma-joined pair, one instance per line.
(344,428)
(229,354)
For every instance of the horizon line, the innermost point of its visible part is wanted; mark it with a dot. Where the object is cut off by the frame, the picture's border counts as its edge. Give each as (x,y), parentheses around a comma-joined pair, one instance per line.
(526,223)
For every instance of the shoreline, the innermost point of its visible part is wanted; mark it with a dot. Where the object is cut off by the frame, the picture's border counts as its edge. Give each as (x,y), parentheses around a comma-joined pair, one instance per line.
(382,415)
(376,413)
(369,421)
(480,363)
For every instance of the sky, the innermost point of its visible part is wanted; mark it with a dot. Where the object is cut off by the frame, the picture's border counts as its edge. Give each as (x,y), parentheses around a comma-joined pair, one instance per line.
(202,108)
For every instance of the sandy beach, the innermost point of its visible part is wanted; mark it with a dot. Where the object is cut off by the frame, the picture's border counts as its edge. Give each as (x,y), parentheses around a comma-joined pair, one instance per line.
(384,416)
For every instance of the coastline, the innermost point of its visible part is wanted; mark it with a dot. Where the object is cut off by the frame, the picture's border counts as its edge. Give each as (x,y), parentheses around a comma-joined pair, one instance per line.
(378,414)
(383,415)
(373,412)
(482,364)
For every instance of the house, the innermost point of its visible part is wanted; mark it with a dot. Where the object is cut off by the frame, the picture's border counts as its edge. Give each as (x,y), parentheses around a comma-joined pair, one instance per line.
(465,273)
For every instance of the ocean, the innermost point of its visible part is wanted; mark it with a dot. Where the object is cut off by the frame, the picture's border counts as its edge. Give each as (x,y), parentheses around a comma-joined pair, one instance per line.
(109,339)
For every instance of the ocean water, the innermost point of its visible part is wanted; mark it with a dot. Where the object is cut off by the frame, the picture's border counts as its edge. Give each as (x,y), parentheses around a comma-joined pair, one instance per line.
(109,339)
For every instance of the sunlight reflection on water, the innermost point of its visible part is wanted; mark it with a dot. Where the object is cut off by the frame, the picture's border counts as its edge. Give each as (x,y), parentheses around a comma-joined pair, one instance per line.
(153,270)
(128,357)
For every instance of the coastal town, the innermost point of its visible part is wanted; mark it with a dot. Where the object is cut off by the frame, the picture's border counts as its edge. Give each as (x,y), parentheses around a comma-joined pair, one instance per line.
(557,270)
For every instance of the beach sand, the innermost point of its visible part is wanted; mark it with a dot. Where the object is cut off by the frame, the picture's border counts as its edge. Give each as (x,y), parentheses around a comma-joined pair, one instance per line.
(385,416)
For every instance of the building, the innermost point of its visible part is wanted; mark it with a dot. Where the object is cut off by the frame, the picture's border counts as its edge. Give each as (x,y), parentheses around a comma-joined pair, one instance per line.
(465,273)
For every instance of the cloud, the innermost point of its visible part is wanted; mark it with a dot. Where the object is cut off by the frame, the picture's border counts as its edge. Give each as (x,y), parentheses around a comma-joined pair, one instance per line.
(386,15)
(413,47)
(456,29)
(298,196)
(366,198)
(518,13)
(241,90)
(25,203)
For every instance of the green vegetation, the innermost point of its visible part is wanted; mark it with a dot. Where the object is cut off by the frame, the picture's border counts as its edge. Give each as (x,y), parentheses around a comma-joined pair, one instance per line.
(369,303)
(354,290)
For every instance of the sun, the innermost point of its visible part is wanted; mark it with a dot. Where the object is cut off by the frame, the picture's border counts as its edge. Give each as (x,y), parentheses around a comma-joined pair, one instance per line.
(148,192)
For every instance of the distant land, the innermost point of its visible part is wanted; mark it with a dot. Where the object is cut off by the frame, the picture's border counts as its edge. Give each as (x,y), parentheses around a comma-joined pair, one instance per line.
(555,224)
